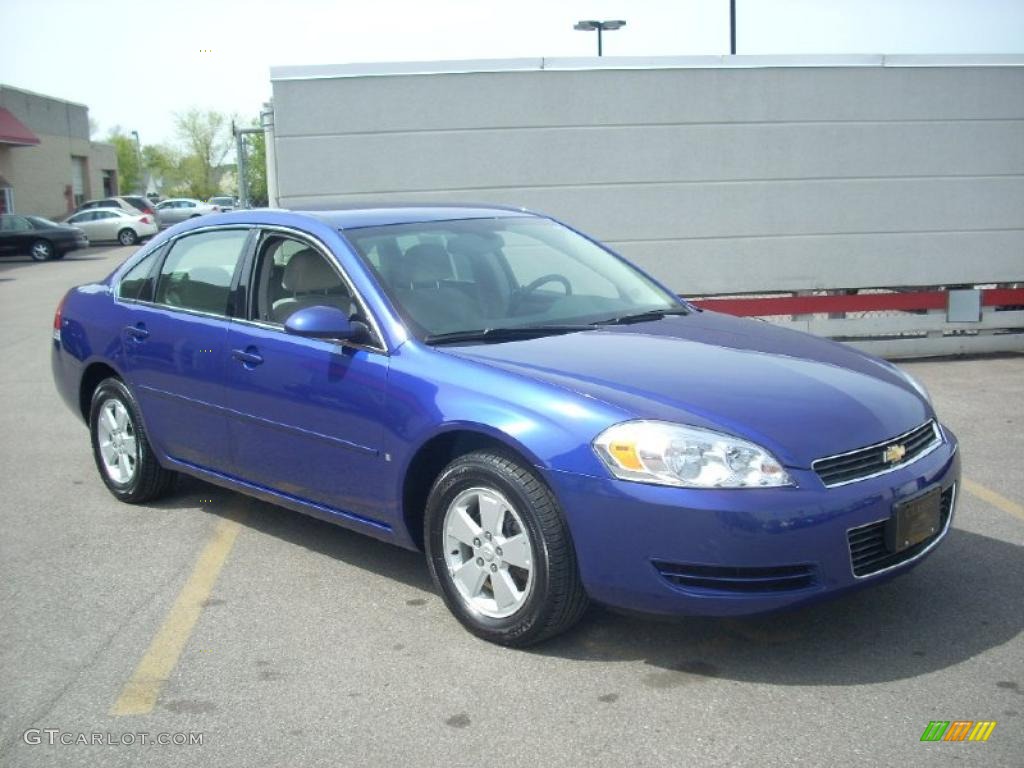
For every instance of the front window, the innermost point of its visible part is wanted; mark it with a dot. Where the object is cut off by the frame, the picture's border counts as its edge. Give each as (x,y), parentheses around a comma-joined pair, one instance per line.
(291,275)
(470,275)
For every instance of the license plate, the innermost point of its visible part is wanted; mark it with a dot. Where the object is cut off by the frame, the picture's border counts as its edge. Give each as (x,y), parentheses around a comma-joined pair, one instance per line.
(914,521)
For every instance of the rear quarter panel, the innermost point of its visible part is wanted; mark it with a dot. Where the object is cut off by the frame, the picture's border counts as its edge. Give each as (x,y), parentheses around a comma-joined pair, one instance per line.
(89,334)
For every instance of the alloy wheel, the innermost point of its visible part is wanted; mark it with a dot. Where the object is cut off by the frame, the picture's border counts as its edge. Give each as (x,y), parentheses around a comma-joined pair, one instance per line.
(41,250)
(118,445)
(488,552)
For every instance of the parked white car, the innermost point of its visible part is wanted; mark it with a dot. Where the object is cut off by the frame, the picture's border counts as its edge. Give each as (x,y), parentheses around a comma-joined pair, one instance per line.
(178,209)
(226,203)
(114,224)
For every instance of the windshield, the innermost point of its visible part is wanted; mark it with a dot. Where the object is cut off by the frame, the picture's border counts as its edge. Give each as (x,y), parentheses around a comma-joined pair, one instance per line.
(39,221)
(453,277)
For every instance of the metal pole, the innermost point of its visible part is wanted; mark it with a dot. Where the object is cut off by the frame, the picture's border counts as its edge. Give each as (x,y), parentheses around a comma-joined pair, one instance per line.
(138,154)
(599,48)
(732,27)
(243,192)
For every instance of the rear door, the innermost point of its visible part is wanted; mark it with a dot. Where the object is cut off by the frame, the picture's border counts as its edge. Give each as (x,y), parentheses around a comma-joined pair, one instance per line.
(105,225)
(175,347)
(306,415)
(19,233)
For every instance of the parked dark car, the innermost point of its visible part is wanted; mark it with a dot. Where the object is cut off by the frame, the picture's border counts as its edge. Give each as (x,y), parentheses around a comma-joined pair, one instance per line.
(37,237)
(546,420)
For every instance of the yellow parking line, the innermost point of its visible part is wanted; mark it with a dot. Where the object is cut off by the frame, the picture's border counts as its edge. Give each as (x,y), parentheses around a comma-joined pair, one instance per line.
(140,692)
(996,500)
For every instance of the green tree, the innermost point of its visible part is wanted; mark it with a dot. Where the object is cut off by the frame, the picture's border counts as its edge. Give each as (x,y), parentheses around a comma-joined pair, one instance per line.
(129,172)
(206,138)
(163,163)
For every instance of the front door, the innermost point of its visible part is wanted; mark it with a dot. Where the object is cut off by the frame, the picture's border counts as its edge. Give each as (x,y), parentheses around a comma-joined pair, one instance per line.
(175,348)
(305,415)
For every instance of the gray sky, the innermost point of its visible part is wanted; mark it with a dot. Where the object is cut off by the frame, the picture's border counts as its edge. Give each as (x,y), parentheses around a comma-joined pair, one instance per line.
(134,64)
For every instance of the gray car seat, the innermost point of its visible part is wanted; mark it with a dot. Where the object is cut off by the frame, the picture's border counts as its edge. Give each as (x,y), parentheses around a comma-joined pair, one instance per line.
(312,283)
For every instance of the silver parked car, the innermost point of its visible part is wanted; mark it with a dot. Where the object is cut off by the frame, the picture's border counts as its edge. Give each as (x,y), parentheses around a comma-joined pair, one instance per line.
(114,224)
(178,209)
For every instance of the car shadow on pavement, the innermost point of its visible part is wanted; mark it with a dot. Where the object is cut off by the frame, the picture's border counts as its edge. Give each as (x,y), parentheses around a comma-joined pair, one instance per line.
(962,601)
(387,560)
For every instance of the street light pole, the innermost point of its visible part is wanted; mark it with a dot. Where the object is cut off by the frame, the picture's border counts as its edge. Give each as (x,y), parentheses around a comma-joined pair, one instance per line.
(732,27)
(599,27)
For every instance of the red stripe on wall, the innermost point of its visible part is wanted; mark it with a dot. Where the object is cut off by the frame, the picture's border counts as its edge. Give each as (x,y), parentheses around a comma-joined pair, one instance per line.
(862,302)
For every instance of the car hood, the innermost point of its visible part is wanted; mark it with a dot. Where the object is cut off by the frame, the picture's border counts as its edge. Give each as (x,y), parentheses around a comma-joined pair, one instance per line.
(800,396)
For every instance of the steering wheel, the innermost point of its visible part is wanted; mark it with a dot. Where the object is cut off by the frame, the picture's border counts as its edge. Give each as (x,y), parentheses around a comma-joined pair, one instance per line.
(526,290)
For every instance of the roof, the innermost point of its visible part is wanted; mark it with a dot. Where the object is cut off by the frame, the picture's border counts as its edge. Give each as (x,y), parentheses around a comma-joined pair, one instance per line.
(372,69)
(378,215)
(13,131)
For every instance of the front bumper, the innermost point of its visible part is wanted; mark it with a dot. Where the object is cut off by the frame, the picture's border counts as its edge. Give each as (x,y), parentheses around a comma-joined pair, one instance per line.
(665,550)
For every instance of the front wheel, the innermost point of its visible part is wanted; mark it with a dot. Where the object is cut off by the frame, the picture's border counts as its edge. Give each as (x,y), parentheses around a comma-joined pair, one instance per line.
(127,237)
(500,552)
(123,455)
(41,250)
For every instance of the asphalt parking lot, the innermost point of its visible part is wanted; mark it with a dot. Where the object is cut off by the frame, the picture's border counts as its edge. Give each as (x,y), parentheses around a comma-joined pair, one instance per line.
(312,645)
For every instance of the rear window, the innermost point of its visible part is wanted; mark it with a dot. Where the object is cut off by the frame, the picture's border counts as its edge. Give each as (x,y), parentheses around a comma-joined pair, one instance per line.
(139,202)
(197,272)
(137,282)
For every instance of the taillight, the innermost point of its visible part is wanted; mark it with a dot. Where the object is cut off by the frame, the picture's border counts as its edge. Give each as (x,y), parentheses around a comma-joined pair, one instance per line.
(146,220)
(58,318)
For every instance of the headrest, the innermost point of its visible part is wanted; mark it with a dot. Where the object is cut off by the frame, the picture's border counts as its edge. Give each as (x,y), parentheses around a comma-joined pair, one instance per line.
(472,244)
(306,271)
(426,262)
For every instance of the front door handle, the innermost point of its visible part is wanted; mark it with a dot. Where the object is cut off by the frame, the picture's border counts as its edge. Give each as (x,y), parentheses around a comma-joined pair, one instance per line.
(137,332)
(247,357)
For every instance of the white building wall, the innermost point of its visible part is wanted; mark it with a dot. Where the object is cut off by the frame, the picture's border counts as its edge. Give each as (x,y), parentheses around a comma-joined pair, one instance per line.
(717,174)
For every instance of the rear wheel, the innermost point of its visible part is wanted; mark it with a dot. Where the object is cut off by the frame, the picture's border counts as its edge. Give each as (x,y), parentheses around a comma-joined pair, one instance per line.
(500,552)
(124,458)
(127,237)
(41,250)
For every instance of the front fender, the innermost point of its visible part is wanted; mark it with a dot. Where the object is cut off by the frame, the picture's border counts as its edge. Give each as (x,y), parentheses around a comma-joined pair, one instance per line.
(431,393)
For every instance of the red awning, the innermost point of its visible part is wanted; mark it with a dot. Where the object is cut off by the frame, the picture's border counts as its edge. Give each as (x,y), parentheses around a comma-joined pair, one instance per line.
(13,131)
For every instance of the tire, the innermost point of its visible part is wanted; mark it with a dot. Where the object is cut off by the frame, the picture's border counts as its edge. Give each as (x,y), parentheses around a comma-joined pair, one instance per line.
(536,602)
(41,250)
(134,476)
(127,237)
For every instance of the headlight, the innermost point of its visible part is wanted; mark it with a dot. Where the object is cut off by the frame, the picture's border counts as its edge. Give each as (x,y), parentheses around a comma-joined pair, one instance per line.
(672,454)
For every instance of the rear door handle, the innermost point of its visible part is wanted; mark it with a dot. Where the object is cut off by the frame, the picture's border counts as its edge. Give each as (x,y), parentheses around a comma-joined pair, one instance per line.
(247,357)
(137,332)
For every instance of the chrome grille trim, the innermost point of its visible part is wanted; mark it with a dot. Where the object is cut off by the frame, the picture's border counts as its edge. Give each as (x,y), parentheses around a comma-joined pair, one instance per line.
(867,451)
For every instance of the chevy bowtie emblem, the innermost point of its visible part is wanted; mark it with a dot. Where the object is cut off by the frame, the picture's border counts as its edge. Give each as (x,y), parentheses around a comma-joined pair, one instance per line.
(894,453)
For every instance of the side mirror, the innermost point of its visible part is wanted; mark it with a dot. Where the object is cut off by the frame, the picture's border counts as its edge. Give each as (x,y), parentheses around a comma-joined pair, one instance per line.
(325,323)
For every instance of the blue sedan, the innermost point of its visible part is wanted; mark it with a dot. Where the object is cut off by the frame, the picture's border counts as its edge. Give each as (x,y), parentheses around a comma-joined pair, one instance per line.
(550,424)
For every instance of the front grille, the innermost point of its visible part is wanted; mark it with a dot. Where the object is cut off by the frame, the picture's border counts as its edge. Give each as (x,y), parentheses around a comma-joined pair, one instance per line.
(870,461)
(779,578)
(868,553)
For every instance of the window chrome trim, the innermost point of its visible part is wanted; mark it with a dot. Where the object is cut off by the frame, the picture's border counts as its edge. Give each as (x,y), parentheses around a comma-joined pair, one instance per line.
(937,440)
(322,248)
(335,264)
(919,555)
